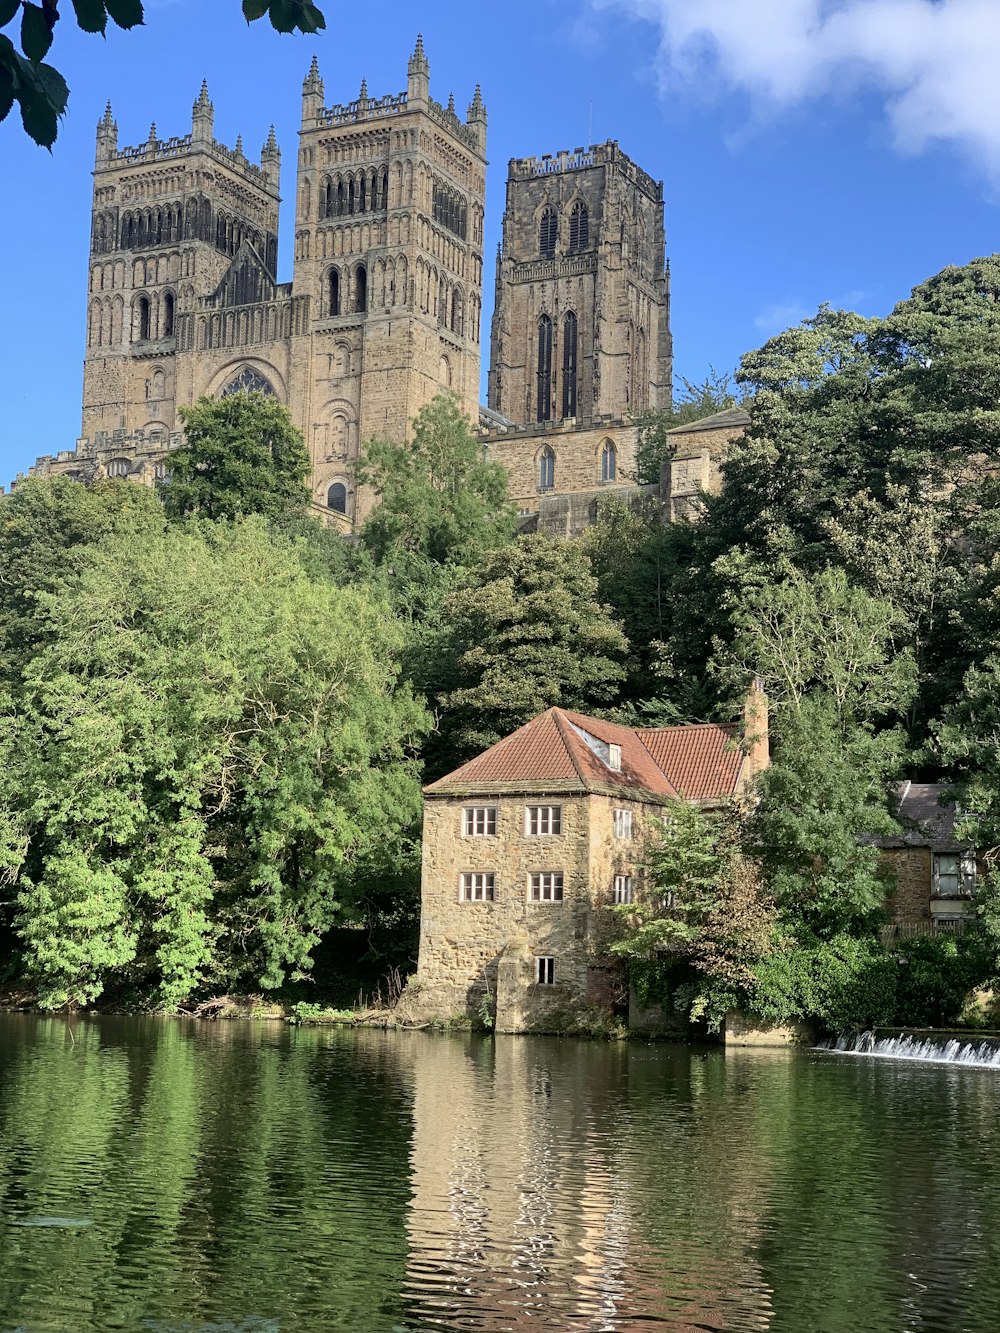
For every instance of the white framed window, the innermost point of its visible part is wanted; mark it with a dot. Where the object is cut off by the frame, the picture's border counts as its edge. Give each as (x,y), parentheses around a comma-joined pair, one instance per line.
(623,823)
(479,821)
(615,757)
(545,971)
(542,819)
(954,874)
(545,886)
(478,886)
(623,888)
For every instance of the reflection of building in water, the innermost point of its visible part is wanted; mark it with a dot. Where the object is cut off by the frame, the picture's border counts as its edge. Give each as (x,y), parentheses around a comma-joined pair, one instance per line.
(529,1207)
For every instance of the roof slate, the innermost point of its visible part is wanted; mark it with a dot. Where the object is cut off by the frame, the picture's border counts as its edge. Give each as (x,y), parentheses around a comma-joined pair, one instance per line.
(700,762)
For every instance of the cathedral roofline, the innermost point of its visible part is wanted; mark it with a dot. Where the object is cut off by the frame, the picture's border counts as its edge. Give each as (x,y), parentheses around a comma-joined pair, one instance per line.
(582,159)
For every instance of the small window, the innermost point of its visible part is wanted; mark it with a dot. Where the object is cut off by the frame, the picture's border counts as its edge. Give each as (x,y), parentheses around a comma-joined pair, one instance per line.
(546,470)
(478,886)
(954,874)
(542,819)
(360,289)
(336,498)
(160,472)
(119,467)
(479,821)
(623,888)
(623,823)
(545,971)
(609,462)
(546,886)
(334,292)
(615,757)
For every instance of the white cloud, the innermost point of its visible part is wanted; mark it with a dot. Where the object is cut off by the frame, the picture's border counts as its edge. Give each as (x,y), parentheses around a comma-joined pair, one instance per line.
(781,315)
(936,63)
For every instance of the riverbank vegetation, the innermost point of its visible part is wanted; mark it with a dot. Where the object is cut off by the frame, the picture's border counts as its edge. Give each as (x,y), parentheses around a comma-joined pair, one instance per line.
(215,713)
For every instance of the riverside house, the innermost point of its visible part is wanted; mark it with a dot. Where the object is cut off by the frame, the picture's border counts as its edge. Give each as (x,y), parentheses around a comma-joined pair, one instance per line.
(527,845)
(935,870)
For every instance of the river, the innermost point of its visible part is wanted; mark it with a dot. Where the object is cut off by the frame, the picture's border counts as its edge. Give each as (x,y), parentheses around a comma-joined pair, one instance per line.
(174,1177)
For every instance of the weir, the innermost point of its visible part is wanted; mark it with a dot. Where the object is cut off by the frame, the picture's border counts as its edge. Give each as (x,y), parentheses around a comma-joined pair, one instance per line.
(929,1049)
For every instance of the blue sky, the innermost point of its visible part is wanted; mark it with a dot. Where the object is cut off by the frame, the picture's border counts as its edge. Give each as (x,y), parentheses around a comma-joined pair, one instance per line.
(811,150)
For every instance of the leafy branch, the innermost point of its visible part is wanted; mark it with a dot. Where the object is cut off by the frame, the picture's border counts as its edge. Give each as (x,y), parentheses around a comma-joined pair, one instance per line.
(42,93)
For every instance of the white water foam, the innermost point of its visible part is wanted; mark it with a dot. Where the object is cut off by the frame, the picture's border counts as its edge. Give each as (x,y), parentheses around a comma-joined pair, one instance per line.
(928,1050)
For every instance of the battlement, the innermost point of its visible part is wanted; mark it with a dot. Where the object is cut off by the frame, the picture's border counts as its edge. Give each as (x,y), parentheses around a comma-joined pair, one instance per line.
(582,159)
(491,427)
(362,109)
(160,150)
(447,117)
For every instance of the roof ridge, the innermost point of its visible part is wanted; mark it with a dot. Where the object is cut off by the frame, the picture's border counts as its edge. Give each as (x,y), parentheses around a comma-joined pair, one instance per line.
(560,722)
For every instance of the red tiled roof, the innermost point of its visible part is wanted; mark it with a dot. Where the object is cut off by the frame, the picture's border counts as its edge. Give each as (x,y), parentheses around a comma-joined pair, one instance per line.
(699,762)
(702,761)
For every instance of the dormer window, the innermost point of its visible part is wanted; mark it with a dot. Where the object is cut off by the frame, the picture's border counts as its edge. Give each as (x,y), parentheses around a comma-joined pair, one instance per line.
(615,757)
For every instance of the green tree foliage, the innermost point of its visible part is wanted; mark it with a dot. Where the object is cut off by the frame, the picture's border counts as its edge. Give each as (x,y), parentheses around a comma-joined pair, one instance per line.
(525,631)
(41,91)
(207,743)
(45,526)
(441,505)
(694,402)
(701,918)
(241,455)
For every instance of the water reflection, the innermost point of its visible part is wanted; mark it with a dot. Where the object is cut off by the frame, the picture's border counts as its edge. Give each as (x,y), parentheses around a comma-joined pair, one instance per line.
(231,1178)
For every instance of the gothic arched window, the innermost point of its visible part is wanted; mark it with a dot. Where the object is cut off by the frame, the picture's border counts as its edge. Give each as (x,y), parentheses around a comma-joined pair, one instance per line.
(249,380)
(119,467)
(546,469)
(168,315)
(609,461)
(360,289)
(569,366)
(548,230)
(544,368)
(334,292)
(579,227)
(336,498)
(143,312)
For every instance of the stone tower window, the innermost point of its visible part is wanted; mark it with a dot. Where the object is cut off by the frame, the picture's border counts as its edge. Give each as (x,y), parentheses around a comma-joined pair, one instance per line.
(143,312)
(334,292)
(609,461)
(360,289)
(249,380)
(569,365)
(579,227)
(336,498)
(544,368)
(548,231)
(546,470)
(168,315)
(119,467)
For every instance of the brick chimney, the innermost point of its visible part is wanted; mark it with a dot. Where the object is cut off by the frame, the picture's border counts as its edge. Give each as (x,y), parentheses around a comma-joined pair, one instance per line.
(755,730)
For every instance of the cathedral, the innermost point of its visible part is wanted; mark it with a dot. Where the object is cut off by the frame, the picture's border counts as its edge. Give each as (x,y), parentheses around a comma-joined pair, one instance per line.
(384,308)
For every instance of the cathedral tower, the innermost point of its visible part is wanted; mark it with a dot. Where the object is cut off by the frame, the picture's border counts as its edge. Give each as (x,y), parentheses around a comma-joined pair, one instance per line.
(581,322)
(171,218)
(388,252)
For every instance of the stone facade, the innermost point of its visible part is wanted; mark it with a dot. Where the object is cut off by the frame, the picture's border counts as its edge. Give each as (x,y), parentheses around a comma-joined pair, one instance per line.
(933,872)
(383,311)
(694,466)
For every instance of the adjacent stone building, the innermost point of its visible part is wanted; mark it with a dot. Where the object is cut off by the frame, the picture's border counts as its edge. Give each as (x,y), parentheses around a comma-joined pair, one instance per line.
(934,870)
(526,847)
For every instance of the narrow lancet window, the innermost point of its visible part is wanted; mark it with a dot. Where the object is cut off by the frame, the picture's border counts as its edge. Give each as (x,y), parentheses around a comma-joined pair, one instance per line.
(569,366)
(544,368)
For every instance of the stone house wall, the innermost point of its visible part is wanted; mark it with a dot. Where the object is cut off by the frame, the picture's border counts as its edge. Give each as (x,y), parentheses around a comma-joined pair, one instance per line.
(577,450)
(910,901)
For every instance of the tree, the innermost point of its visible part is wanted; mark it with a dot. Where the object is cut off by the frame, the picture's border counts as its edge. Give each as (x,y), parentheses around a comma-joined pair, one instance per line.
(241,455)
(46,525)
(701,918)
(206,746)
(524,632)
(695,402)
(41,91)
(441,506)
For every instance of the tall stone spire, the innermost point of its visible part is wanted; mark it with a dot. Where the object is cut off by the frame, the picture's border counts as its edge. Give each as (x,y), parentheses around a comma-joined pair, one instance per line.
(476,118)
(418,71)
(107,135)
(202,116)
(312,94)
(270,158)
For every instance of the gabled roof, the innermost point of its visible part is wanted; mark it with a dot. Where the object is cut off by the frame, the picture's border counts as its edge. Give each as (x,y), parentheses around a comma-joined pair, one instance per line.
(566,751)
(730,418)
(927,818)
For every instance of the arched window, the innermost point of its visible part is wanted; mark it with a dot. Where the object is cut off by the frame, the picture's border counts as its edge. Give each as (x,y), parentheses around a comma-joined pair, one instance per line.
(119,467)
(340,196)
(249,380)
(168,315)
(546,469)
(569,366)
(544,368)
(360,289)
(609,461)
(456,312)
(579,227)
(158,385)
(444,372)
(548,230)
(143,330)
(160,472)
(336,498)
(334,292)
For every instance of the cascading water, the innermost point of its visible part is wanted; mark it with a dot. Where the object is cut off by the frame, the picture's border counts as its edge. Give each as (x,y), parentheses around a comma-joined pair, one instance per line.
(930,1050)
